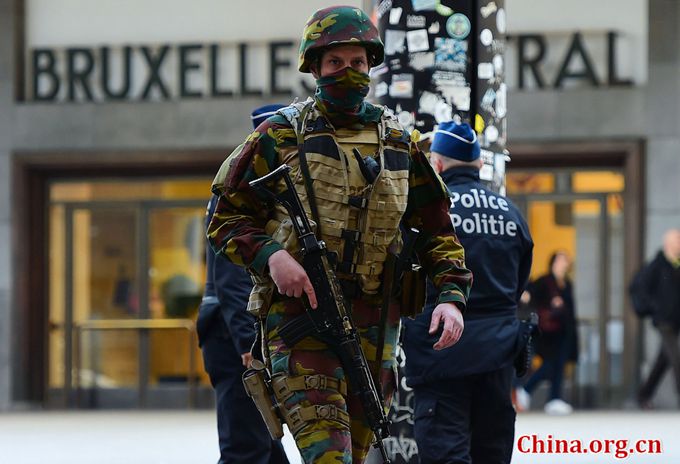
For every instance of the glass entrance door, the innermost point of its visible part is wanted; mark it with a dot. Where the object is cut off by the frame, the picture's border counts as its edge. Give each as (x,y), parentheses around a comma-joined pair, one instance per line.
(126,278)
(585,221)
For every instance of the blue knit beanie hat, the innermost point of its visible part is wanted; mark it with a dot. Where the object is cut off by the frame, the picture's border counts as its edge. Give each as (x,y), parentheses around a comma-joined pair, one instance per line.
(457,141)
(259,115)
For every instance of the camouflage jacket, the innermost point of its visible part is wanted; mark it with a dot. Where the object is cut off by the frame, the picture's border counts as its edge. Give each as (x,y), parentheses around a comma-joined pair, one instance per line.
(237,228)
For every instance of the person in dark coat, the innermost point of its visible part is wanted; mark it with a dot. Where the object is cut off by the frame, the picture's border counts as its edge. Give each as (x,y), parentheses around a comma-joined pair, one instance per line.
(660,286)
(226,332)
(463,412)
(552,296)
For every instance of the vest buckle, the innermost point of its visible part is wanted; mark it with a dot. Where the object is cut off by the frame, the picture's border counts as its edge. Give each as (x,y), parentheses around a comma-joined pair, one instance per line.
(357,201)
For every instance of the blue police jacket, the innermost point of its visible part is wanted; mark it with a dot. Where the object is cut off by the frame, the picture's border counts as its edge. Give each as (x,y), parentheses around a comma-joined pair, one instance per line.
(226,293)
(498,251)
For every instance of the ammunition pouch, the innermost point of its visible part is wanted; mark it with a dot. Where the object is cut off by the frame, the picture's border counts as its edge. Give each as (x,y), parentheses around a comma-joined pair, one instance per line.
(412,291)
(299,416)
(284,387)
(257,384)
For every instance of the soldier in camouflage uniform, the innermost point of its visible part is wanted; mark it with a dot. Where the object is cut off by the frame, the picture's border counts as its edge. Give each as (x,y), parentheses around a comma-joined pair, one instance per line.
(367,177)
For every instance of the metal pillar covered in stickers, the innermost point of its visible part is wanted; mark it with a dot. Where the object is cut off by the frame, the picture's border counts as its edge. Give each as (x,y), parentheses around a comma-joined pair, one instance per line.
(444,59)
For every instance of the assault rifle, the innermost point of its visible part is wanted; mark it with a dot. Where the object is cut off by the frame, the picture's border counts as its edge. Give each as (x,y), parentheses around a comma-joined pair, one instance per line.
(331,321)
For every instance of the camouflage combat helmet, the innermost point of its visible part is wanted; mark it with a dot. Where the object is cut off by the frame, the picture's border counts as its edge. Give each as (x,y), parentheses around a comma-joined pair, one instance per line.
(339,25)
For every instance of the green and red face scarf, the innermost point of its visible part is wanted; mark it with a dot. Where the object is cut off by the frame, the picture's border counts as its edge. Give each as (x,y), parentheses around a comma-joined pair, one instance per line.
(340,96)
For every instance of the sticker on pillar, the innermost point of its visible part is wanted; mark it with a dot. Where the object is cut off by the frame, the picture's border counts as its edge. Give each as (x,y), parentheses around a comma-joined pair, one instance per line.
(484,71)
(394,42)
(479,124)
(443,10)
(498,65)
(488,9)
(380,89)
(383,8)
(395,15)
(421,61)
(394,64)
(486,37)
(427,102)
(406,119)
(502,101)
(434,28)
(378,70)
(486,172)
(417,41)
(446,78)
(455,92)
(486,156)
(488,100)
(459,97)
(458,26)
(491,134)
(402,86)
(415,21)
(501,23)
(497,47)
(499,172)
(450,54)
(442,112)
(424,5)
(499,163)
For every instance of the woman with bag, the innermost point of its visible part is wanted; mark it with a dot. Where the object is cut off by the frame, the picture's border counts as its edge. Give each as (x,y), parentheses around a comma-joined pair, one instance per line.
(552,297)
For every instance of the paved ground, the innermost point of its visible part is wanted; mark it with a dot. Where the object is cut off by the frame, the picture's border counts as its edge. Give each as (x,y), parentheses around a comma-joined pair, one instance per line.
(189,437)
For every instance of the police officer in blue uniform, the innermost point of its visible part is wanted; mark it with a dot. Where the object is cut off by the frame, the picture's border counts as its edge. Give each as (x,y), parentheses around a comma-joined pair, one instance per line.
(226,333)
(463,411)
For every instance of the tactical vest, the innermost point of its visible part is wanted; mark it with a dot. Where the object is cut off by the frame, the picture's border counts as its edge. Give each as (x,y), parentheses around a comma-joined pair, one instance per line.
(359,220)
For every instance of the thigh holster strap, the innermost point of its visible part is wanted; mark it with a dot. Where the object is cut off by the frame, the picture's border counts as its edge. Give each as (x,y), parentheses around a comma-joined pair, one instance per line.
(300,416)
(285,386)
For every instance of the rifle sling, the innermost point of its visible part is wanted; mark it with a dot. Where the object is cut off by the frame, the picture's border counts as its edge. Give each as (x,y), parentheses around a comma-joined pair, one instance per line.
(380,342)
(304,168)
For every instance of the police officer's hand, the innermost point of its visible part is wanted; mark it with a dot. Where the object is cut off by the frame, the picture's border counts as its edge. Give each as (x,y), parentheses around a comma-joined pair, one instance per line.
(290,277)
(525,298)
(452,319)
(246,359)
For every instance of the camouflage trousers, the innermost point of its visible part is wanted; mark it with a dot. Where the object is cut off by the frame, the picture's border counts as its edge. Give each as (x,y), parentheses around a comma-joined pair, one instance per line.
(324,416)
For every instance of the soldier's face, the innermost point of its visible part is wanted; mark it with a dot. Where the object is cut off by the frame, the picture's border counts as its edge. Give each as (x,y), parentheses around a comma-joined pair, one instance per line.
(344,56)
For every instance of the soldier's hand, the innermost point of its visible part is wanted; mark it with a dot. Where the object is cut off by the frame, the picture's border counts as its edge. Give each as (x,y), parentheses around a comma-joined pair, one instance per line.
(246,359)
(448,315)
(290,277)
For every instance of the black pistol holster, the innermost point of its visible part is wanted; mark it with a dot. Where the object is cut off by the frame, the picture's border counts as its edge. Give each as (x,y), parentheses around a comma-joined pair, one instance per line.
(528,332)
